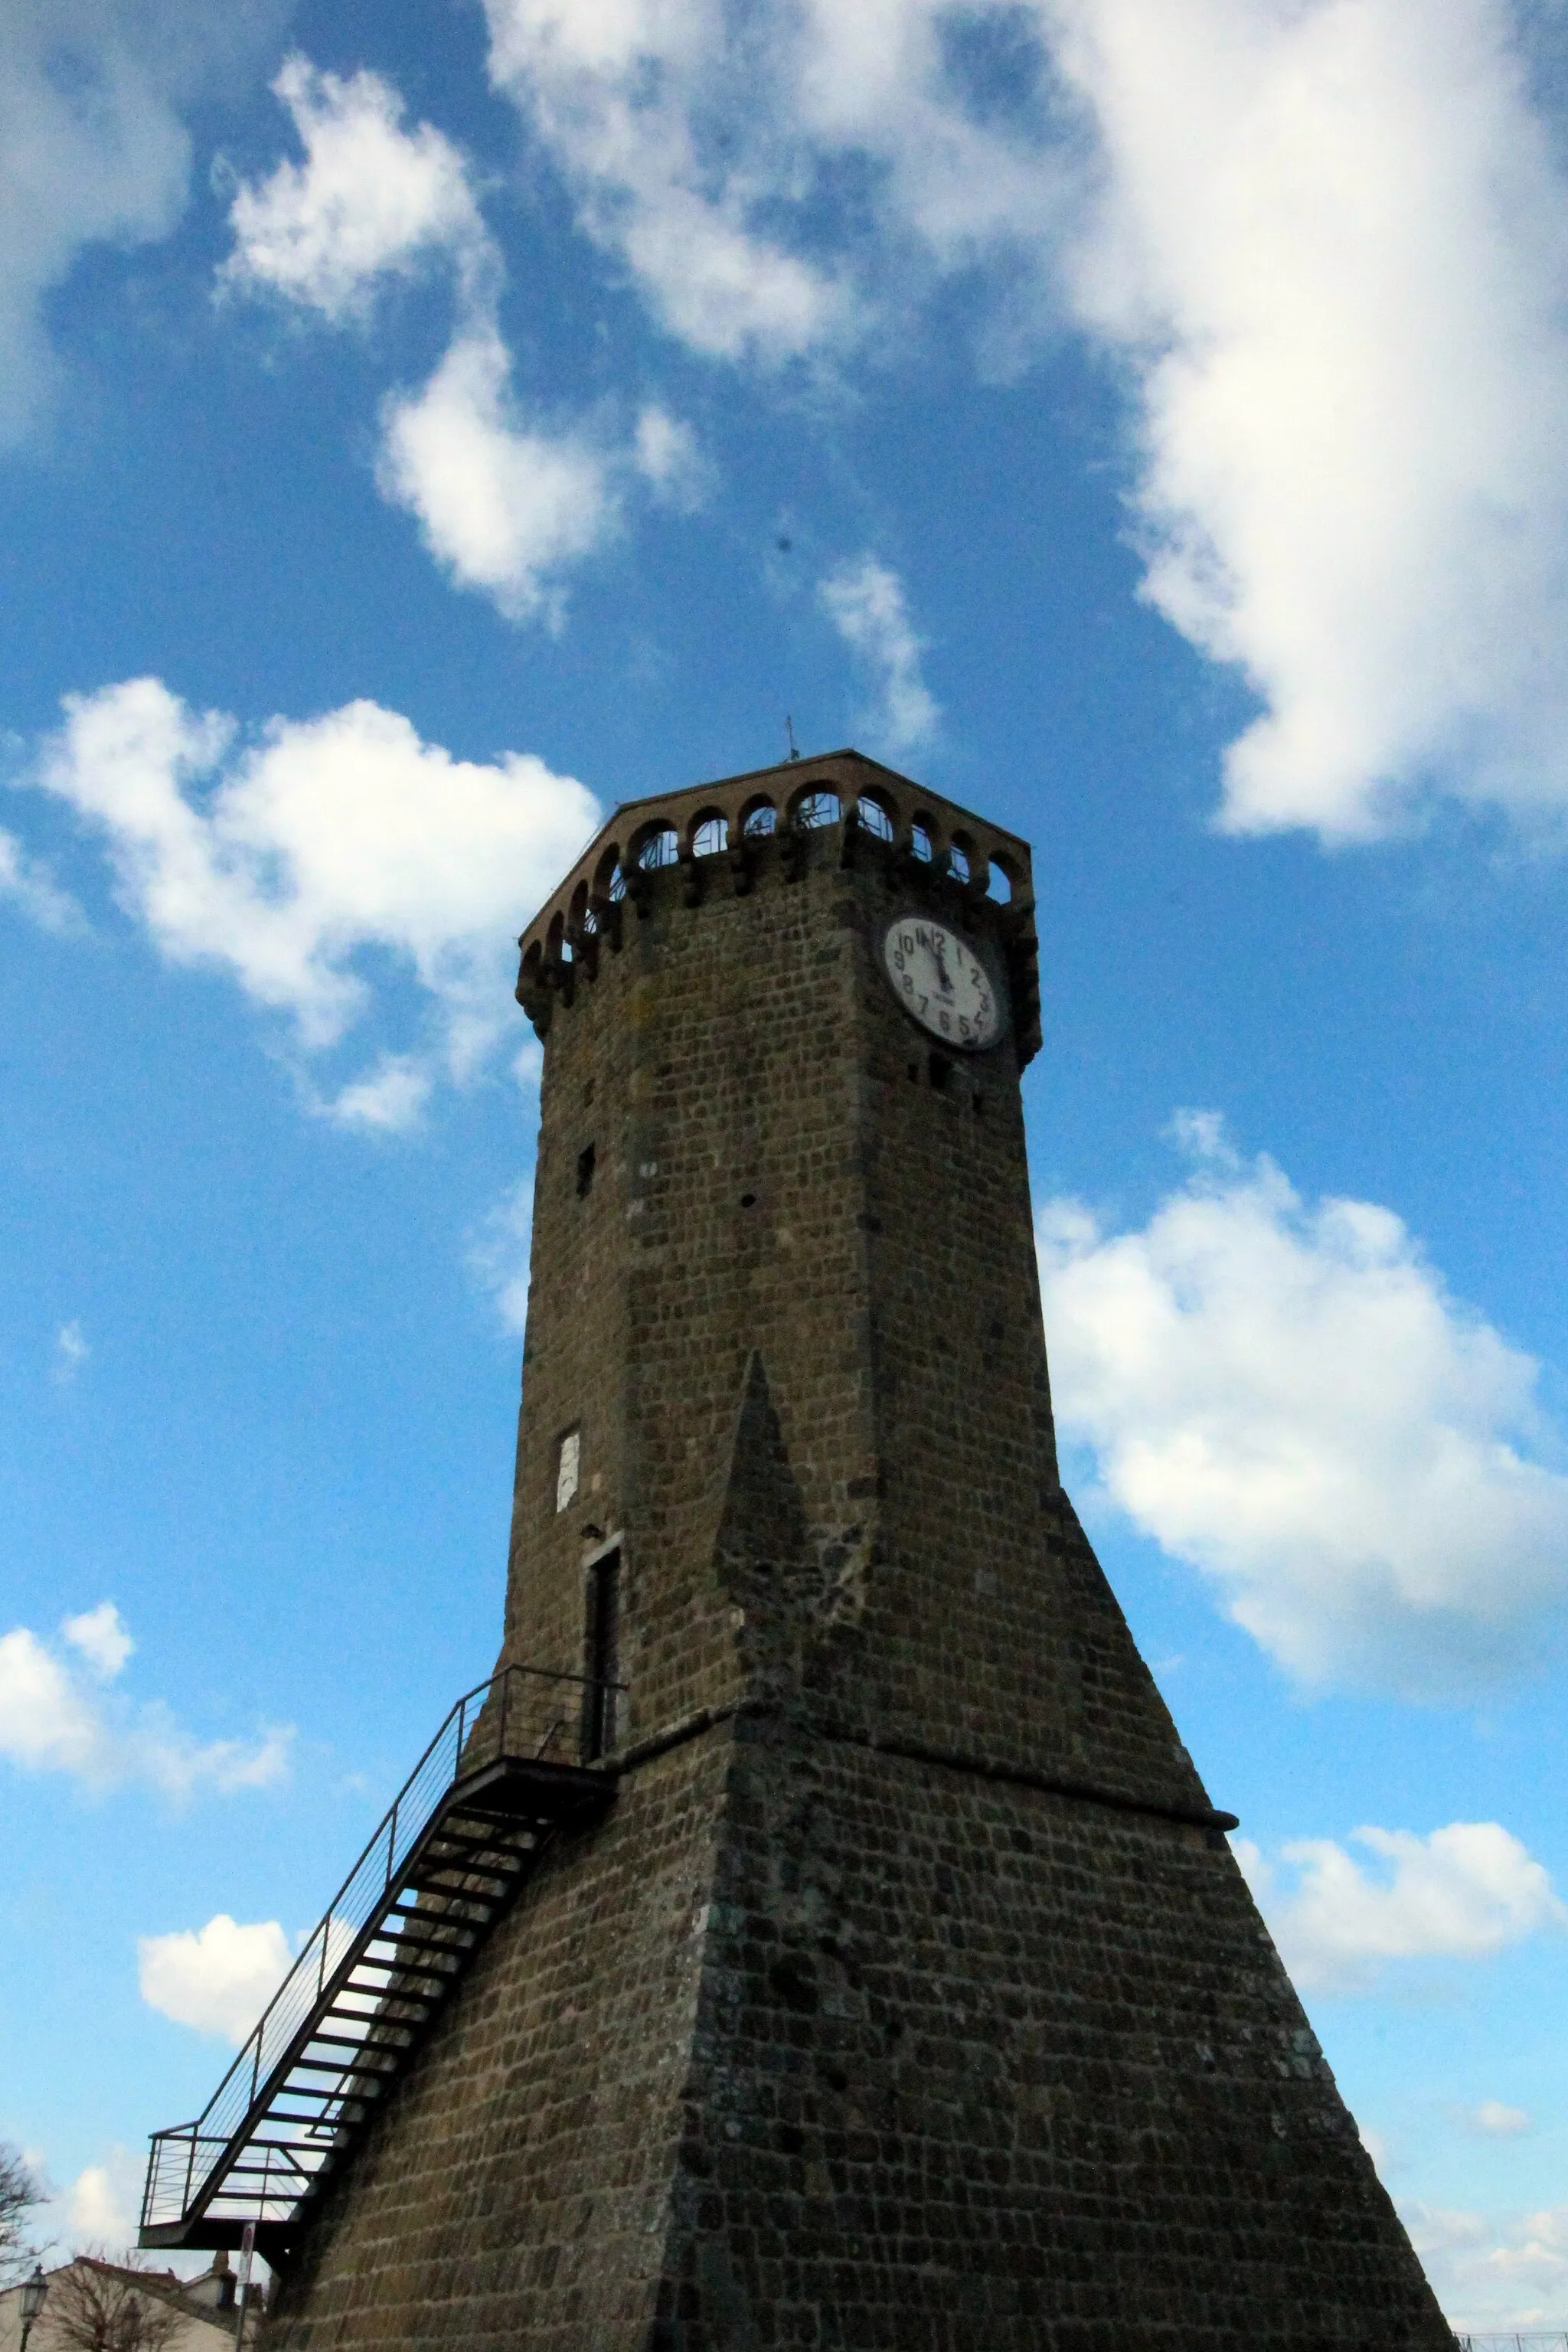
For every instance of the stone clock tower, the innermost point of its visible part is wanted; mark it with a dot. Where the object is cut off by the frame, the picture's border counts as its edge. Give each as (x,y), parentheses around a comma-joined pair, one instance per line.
(902,1990)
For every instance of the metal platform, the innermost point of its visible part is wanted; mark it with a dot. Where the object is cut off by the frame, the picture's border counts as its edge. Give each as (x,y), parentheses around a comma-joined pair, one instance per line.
(463,1835)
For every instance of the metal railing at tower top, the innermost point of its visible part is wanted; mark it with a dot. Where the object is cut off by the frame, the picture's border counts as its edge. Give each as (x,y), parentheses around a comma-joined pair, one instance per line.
(1512,2340)
(506,1767)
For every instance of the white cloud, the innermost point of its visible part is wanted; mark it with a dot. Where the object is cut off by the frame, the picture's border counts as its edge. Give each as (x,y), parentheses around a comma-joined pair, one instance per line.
(286,859)
(1284,1393)
(71,1350)
(101,2203)
(48,1723)
(865,602)
(27,882)
(499,1251)
(504,505)
(390,1099)
(1326,243)
(1496,2272)
(101,1637)
(219,1978)
(665,452)
(1463,1893)
(371,200)
(501,507)
(1333,241)
(95,150)
(1500,2121)
(613,91)
(51,1721)
(779,181)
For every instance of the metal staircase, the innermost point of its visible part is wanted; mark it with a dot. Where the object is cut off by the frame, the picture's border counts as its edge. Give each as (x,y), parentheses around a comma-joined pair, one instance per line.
(465,1831)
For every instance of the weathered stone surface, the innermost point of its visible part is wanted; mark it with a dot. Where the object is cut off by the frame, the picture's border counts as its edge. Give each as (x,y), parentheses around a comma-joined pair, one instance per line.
(908,1995)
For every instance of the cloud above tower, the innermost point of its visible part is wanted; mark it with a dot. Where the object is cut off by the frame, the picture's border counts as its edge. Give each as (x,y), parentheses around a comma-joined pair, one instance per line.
(864,598)
(93,130)
(1322,248)
(507,500)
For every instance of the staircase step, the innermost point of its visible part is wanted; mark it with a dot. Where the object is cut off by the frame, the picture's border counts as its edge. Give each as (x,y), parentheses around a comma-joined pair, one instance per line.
(358,2041)
(342,2070)
(398,1939)
(405,1963)
(442,1943)
(414,2011)
(473,1853)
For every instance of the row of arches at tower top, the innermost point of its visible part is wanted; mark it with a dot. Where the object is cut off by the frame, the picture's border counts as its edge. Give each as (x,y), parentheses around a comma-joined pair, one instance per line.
(709,832)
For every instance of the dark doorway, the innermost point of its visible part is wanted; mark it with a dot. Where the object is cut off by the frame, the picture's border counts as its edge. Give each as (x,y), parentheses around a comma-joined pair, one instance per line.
(604,1601)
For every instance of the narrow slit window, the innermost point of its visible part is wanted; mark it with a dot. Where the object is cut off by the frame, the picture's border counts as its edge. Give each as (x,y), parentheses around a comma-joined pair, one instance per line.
(568,1469)
(585,1171)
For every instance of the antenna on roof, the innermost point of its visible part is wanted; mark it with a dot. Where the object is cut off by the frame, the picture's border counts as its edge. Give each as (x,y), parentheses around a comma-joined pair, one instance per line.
(789,730)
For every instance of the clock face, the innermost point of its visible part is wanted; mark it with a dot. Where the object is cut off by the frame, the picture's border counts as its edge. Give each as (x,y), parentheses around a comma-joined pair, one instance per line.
(938,977)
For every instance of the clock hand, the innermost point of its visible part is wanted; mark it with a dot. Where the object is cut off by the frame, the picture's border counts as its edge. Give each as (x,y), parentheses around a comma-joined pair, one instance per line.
(942,971)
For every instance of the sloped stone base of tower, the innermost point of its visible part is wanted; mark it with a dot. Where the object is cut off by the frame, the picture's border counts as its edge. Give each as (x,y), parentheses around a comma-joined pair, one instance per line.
(981,2066)
(516,2189)
(814,2044)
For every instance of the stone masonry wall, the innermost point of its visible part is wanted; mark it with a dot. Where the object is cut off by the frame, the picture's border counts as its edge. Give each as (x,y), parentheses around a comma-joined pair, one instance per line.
(515,2189)
(908,1994)
(816,2046)
(978,2066)
(774,1172)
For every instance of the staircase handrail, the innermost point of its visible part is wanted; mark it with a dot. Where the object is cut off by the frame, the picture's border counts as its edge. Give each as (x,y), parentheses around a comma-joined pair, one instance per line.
(340,1937)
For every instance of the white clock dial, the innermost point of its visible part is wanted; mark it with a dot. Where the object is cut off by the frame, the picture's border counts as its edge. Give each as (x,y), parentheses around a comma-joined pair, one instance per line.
(938,977)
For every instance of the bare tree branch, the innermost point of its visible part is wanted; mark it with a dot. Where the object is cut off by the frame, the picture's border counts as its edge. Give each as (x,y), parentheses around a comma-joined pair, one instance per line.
(100,2306)
(20,2191)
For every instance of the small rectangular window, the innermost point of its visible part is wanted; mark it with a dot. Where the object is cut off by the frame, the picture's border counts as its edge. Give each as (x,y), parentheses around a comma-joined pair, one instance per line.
(604,1601)
(568,1469)
(585,1171)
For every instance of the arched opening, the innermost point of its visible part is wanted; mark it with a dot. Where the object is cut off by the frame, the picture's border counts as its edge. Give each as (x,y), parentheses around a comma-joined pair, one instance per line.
(658,848)
(876,816)
(709,835)
(815,807)
(609,882)
(758,818)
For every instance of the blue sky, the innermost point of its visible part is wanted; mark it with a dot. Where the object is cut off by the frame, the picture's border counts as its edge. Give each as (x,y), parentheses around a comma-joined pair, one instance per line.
(1147,421)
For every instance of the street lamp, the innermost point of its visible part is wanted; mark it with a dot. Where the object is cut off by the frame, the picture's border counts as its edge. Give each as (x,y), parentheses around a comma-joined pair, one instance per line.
(34,2290)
